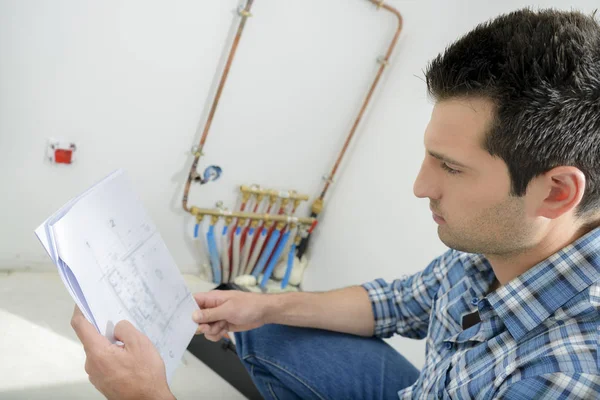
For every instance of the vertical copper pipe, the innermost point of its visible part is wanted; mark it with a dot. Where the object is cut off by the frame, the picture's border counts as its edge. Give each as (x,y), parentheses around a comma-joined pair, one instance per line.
(317,205)
(384,63)
(245,13)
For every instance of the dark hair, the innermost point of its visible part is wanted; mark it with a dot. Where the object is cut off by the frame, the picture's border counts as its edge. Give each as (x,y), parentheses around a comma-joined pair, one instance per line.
(542,71)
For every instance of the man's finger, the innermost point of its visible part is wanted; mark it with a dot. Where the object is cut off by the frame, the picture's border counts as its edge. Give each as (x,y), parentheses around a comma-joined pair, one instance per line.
(210,299)
(125,332)
(213,338)
(86,332)
(209,315)
(217,337)
(215,328)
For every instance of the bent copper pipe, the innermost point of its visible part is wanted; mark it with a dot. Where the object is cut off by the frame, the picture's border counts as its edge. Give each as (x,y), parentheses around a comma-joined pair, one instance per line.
(384,62)
(317,206)
(245,14)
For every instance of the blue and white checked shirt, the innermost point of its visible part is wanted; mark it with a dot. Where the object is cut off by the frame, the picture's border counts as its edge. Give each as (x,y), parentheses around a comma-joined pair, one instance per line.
(538,335)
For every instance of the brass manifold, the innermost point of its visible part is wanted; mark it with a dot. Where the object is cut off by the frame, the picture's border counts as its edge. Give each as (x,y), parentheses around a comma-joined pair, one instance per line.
(273,195)
(282,194)
(260,194)
(199,213)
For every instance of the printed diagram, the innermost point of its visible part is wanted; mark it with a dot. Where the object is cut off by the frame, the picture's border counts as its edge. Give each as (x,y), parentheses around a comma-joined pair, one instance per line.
(116,266)
(138,271)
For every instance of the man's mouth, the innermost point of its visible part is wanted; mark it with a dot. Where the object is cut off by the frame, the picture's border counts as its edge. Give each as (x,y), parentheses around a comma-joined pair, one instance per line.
(437,217)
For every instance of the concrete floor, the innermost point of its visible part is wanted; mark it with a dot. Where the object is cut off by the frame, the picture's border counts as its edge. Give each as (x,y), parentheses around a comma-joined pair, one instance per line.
(41,358)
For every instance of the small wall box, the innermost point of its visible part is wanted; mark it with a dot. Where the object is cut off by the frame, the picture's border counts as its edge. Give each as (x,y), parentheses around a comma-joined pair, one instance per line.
(61,151)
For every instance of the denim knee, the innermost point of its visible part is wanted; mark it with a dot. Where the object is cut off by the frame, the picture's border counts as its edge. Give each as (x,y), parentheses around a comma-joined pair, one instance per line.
(260,340)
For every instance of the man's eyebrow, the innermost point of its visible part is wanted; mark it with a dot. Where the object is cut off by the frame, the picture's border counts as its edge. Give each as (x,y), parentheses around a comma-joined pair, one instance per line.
(444,158)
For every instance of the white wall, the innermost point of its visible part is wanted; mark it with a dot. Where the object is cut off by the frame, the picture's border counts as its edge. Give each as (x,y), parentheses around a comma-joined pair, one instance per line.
(129,81)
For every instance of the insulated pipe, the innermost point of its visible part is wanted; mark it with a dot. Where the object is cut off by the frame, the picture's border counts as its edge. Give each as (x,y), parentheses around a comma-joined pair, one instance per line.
(264,257)
(214,253)
(252,224)
(244,14)
(275,258)
(246,249)
(270,201)
(224,255)
(225,242)
(257,248)
(282,210)
(290,262)
(248,246)
(259,200)
(293,233)
(244,202)
(236,252)
(197,234)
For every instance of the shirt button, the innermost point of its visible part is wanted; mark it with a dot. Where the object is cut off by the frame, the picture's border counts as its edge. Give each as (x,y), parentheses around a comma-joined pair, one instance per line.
(448,345)
(474,301)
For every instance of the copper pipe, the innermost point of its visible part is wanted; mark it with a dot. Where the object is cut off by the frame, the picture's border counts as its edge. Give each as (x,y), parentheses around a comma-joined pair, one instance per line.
(245,14)
(384,62)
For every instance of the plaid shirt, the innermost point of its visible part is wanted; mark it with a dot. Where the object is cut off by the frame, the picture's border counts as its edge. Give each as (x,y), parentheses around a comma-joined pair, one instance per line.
(538,335)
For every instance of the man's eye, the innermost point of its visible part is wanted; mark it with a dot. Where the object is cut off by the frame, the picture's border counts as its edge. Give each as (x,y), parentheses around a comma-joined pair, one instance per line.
(450,170)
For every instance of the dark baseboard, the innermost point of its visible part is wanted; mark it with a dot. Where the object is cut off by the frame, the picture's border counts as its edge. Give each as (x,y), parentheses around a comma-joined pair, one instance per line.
(222,358)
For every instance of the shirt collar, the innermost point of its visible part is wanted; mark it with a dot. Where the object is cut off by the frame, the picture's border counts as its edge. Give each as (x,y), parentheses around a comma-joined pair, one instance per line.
(529,299)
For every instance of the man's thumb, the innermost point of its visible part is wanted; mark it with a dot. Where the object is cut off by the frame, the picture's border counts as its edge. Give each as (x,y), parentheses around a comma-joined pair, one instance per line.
(125,332)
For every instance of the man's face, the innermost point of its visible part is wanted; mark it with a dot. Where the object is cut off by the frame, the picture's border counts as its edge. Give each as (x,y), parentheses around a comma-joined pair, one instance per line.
(468,189)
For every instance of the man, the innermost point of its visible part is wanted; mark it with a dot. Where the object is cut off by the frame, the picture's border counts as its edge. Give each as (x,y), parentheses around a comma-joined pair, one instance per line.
(512,174)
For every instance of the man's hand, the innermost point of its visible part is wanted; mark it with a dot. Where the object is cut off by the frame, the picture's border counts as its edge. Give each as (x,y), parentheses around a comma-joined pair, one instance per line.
(229,311)
(346,310)
(132,371)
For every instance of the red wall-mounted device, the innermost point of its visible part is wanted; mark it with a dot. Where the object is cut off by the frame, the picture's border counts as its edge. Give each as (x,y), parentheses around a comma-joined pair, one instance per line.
(61,152)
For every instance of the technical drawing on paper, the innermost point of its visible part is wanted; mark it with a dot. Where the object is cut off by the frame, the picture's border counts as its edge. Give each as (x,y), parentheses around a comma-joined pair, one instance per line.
(134,271)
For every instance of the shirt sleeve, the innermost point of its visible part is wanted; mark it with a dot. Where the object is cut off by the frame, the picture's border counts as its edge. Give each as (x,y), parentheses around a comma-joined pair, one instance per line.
(558,385)
(403,306)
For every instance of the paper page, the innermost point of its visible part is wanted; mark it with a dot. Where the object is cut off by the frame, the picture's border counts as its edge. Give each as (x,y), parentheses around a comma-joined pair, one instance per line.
(42,231)
(125,270)
(45,235)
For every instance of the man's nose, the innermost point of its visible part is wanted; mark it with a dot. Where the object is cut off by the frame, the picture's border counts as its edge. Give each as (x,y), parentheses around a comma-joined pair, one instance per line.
(426,184)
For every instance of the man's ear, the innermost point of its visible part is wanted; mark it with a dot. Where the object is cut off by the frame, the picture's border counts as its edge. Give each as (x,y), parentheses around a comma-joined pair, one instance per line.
(562,188)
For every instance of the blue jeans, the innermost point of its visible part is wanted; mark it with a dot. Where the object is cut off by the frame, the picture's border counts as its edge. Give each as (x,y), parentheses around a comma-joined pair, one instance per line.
(298,363)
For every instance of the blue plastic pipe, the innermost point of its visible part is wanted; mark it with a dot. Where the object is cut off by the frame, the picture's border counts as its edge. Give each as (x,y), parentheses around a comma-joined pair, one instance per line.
(274,259)
(290,265)
(224,252)
(266,253)
(214,254)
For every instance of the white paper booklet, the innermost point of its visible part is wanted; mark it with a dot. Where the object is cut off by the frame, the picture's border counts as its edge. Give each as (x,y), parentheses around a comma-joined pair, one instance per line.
(116,266)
